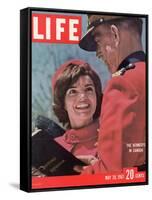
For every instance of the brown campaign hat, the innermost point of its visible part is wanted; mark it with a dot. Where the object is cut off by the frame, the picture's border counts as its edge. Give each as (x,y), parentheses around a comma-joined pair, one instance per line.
(87,41)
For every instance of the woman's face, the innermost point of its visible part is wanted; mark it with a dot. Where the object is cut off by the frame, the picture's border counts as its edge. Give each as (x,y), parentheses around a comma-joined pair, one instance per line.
(80,102)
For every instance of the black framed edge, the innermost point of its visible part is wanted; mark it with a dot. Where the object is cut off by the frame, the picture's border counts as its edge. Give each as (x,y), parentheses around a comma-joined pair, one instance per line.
(25,98)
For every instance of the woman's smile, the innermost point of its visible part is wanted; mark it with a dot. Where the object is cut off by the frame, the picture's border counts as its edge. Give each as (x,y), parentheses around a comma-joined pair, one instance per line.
(80,102)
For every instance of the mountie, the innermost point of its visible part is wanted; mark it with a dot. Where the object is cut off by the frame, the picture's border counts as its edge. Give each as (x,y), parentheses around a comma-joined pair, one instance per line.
(56,28)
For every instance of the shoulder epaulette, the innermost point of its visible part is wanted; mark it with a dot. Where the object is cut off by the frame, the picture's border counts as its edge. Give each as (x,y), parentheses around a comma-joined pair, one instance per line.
(123,70)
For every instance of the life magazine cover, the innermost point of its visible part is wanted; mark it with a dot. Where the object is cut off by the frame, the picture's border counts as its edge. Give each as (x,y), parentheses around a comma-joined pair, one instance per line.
(88,99)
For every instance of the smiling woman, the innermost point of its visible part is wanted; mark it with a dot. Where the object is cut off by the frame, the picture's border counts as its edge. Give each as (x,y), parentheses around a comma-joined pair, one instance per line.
(80,102)
(76,83)
(77,104)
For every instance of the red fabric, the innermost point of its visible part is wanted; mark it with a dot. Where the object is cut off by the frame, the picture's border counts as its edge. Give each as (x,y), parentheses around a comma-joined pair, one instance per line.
(81,141)
(89,179)
(122,122)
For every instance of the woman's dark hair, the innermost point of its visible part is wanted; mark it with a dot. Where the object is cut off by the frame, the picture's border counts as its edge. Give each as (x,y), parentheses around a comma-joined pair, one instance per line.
(67,78)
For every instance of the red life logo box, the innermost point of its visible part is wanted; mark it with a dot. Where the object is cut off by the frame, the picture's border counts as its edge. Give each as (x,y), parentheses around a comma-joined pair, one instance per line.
(56,28)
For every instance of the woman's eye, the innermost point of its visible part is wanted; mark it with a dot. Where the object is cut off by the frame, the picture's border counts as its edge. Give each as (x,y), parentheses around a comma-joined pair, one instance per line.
(72,92)
(89,89)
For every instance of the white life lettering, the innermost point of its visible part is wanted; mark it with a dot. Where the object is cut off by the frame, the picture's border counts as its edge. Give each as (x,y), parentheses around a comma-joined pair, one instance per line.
(73,30)
(36,35)
(48,31)
(59,28)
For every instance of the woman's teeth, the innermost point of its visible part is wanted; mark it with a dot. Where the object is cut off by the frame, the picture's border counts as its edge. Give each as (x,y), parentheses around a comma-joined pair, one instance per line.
(81,106)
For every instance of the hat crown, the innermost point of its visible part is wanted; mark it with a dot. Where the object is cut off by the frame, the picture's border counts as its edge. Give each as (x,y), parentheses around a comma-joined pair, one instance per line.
(101,18)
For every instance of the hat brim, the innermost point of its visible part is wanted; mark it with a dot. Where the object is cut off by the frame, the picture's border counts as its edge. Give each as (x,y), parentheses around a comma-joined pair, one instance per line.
(87,41)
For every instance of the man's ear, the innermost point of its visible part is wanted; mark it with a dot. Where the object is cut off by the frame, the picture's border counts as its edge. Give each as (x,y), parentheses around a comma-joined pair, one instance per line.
(115,34)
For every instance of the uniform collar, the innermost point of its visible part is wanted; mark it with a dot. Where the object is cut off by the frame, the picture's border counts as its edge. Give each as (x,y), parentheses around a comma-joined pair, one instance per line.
(84,134)
(129,62)
(132,58)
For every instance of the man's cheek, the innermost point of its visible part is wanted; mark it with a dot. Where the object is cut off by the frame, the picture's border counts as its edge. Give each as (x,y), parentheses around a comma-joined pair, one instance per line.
(108,49)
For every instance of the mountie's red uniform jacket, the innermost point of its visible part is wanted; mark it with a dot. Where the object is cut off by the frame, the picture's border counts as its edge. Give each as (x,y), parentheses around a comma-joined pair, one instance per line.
(122,122)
